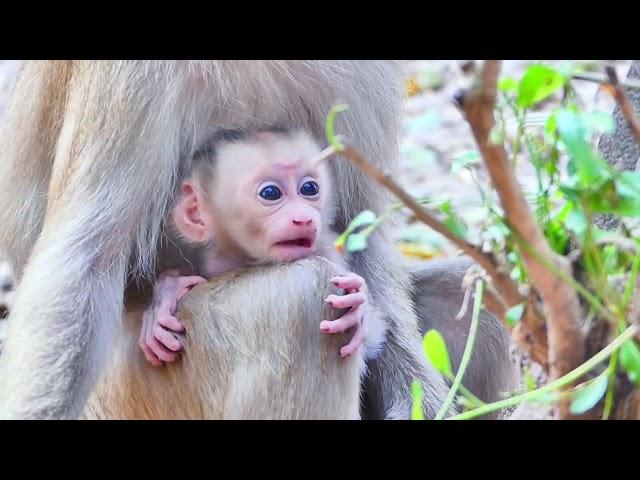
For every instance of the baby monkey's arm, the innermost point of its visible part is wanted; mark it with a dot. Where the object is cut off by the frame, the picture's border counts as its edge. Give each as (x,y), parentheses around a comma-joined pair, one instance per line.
(359,316)
(159,326)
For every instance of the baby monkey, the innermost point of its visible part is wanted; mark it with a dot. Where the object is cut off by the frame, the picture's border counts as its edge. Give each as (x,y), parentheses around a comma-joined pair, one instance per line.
(254,198)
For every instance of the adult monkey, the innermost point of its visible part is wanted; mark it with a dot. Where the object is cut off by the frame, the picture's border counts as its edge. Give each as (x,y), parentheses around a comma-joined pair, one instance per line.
(262,356)
(91,154)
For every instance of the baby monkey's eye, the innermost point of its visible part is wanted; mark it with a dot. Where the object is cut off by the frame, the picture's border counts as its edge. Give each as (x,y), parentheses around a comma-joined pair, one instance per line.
(270,192)
(309,189)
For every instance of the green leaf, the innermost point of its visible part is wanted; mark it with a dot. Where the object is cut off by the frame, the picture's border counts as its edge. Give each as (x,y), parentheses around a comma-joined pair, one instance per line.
(362,219)
(630,360)
(514,314)
(356,242)
(446,206)
(599,121)
(557,235)
(529,380)
(456,225)
(416,394)
(508,84)
(629,183)
(465,160)
(552,123)
(564,212)
(576,222)
(538,83)
(618,195)
(584,158)
(587,397)
(329,127)
(435,349)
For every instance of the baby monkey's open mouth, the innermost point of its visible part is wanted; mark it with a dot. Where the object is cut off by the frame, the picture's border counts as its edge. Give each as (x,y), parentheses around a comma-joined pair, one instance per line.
(304,242)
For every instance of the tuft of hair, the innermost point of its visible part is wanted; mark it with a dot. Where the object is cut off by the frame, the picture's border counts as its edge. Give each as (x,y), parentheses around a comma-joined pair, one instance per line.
(207,154)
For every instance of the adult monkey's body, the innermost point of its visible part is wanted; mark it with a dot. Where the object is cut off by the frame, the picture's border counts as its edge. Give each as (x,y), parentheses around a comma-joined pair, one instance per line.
(91,154)
(243,363)
(238,362)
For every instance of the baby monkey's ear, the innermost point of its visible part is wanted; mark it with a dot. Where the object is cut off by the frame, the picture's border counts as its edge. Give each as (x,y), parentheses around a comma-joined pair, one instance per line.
(191,215)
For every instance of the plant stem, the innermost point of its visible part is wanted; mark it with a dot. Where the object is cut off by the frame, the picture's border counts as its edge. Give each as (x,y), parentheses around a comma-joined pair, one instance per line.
(468,349)
(631,283)
(599,78)
(562,381)
(591,298)
(608,401)
(470,396)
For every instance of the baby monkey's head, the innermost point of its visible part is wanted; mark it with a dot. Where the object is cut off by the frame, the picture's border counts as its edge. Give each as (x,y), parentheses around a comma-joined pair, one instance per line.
(259,195)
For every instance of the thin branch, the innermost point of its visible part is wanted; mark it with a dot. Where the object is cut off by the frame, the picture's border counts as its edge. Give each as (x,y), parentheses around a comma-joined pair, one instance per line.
(468,349)
(532,341)
(623,100)
(599,78)
(566,346)
(503,283)
(564,381)
(631,116)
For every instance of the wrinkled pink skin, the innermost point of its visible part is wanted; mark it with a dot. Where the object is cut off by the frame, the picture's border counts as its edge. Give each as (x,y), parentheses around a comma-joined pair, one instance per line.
(160,344)
(157,336)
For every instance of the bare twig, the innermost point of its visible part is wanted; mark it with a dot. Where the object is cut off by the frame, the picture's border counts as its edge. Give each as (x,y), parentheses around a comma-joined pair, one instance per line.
(503,283)
(599,78)
(566,346)
(631,116)
(625,104)
(533,343)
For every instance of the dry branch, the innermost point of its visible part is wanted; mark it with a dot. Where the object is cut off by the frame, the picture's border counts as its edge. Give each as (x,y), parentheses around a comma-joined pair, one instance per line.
(503,283)
(623,100)
(599,78)
(631,117)
(566,346)
(531,342)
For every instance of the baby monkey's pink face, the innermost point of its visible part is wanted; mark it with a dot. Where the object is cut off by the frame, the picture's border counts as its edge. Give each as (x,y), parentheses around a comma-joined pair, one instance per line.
(275,195)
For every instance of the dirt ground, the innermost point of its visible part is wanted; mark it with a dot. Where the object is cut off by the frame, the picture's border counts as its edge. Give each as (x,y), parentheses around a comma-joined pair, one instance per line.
(435,135)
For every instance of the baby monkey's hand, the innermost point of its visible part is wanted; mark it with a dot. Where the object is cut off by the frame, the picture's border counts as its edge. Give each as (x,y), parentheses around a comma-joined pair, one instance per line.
(159,326)
(357,299)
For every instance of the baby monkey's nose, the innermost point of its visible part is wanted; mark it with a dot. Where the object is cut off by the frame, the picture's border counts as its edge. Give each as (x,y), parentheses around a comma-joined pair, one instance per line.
(302,222)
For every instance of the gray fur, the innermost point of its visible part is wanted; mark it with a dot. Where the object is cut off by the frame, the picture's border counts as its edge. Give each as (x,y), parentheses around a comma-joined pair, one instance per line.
(97,146)
(438,298)
(247,356)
